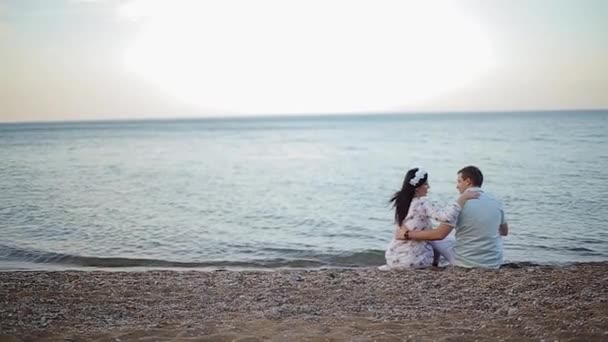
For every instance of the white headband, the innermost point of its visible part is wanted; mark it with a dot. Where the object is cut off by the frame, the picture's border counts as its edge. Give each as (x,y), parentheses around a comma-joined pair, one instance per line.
(418,176)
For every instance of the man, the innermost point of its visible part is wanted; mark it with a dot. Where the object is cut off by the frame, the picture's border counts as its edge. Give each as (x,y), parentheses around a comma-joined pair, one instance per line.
(479,227)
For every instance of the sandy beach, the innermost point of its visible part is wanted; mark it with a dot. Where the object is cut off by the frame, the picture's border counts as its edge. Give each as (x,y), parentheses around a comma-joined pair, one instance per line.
(521,302)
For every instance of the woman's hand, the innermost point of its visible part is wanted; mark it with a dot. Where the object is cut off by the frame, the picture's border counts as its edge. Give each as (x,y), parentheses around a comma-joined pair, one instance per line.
(401,233)
(467,195)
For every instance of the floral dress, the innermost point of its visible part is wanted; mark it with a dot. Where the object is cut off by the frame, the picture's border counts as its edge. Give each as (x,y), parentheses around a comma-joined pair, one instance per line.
(417,254)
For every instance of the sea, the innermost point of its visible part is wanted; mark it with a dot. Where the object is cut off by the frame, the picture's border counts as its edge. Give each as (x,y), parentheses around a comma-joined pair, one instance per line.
(289,192)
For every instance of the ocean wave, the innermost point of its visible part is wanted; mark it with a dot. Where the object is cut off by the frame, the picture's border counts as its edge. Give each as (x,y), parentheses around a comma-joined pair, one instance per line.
(304,259)
(579,250)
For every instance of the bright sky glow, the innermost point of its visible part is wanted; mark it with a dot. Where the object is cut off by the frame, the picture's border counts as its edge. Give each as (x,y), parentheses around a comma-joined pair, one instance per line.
(273,56)
(124,59)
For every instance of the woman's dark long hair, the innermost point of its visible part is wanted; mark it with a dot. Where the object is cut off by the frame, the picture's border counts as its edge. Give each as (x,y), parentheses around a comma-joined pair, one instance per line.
(403,198)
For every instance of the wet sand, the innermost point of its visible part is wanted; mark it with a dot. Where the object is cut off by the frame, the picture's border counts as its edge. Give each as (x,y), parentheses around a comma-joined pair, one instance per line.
(527,302)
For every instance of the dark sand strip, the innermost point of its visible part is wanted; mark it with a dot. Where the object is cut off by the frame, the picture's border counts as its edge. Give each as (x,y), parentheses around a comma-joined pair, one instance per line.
(568,303)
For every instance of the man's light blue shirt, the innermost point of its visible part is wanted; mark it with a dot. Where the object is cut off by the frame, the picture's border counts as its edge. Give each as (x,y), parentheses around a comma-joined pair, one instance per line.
(478,242)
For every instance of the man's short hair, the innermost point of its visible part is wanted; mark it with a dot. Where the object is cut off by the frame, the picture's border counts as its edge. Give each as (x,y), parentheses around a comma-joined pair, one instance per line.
(472,173)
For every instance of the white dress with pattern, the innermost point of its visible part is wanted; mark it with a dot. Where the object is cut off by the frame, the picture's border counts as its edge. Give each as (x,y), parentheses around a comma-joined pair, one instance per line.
(417,254)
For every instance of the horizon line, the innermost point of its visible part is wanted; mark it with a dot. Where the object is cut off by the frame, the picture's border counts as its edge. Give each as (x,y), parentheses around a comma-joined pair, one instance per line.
(301,115)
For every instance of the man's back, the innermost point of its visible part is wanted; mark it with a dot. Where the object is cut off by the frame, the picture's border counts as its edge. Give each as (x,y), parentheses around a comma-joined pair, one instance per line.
(478,243)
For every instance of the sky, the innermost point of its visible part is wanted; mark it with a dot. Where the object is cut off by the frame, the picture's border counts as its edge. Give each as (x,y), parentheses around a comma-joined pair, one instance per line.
(124,59)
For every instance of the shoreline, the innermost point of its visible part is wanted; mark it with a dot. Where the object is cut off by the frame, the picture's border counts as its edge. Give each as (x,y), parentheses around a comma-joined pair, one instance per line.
(50,267)
(527,302)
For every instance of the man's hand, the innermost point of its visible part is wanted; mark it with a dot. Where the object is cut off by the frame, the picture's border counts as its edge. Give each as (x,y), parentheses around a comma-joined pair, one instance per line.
(400,233)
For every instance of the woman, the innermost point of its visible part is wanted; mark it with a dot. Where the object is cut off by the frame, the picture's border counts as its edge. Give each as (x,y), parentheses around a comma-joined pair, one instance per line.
(415,211)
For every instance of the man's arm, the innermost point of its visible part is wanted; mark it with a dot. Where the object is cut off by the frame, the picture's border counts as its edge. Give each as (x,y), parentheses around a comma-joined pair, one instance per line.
(503,230)
(438,233)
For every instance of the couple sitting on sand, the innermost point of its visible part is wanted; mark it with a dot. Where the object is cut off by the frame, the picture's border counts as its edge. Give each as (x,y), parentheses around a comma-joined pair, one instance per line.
(477,217)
